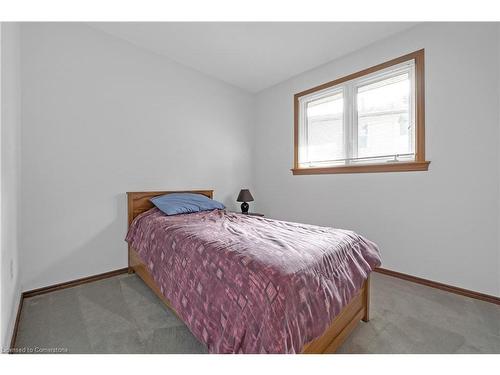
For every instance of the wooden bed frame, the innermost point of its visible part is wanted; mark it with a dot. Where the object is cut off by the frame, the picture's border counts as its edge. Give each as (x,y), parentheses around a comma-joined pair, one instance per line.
(334,335)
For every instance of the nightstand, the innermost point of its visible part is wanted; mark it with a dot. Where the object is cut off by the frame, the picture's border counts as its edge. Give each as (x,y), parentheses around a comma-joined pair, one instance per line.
(249,213)
(253,214)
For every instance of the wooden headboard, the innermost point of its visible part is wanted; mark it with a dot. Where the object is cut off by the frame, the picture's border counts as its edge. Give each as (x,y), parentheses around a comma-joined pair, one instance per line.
(138,201)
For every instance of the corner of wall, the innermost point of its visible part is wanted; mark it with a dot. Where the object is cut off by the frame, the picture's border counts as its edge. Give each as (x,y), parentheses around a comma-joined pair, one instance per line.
(498,196)
(10,104)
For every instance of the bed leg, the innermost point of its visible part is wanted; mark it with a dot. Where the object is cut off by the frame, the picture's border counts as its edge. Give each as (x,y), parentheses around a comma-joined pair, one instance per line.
(366,302)
(130,268)
(366,316)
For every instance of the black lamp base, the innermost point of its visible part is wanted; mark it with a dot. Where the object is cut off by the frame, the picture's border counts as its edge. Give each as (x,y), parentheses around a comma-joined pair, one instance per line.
(244,208)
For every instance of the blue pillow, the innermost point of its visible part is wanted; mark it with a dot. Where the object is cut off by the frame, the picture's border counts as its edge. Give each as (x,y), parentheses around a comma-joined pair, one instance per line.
(183,203)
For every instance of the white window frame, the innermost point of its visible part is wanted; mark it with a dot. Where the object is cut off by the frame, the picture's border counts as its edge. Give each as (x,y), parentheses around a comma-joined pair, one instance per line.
(350,117)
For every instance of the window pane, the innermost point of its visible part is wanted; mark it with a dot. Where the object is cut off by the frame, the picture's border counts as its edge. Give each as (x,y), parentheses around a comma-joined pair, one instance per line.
(325,129)
(384,117)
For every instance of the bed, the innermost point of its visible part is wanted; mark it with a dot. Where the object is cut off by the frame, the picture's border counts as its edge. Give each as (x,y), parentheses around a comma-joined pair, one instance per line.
(245,284)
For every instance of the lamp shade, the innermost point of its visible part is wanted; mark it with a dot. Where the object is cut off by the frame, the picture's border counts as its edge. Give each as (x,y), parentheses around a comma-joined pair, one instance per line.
(244,196)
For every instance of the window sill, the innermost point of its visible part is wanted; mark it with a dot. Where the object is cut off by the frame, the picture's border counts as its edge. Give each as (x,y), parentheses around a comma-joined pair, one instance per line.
(367,168)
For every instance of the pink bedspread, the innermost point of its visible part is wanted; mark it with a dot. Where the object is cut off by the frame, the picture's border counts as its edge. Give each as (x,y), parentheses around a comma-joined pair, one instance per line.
(245,284)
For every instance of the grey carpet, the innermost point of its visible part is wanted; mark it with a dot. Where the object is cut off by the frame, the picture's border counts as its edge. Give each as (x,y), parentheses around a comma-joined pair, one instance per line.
(121,315)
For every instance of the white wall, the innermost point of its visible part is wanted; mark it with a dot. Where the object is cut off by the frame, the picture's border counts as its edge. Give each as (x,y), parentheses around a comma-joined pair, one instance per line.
(102,117)
(10,176)
(442,224)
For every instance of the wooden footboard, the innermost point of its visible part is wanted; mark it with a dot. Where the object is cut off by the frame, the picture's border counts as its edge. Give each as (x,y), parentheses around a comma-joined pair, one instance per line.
(329,342)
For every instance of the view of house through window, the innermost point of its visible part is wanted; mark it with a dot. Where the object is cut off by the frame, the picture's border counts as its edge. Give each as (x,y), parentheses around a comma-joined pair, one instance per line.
(325,128)
(385,118)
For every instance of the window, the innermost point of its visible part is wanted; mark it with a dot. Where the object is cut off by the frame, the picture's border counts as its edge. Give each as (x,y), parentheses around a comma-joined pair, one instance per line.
(370,121)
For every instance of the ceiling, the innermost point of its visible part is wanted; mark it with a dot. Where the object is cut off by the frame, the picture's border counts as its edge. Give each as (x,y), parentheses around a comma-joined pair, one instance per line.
(252,55)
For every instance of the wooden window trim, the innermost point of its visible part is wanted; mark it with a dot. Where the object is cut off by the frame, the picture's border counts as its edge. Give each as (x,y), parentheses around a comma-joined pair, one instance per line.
(420,164)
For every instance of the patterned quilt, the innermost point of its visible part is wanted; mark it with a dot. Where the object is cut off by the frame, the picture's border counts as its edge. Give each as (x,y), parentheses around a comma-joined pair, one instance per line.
(246,284)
